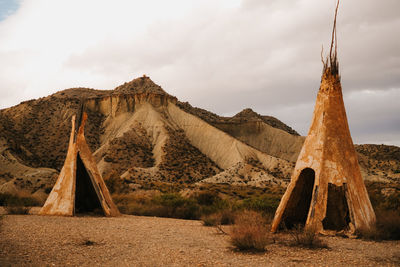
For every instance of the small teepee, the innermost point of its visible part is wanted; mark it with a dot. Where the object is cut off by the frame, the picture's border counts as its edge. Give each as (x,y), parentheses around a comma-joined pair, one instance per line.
(327,191)
(79,188)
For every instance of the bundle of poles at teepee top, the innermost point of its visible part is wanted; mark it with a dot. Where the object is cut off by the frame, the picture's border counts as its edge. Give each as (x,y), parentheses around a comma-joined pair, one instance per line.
(327,191)
(331,61)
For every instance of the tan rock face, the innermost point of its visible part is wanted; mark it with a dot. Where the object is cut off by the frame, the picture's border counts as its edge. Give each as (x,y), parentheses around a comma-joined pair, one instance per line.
(117,104)
(273,141)
(327,190)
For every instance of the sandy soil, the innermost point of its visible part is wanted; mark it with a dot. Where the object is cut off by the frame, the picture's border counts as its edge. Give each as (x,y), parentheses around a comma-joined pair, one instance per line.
(146,241)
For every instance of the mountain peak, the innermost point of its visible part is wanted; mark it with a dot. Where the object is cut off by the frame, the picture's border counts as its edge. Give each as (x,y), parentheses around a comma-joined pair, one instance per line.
(139,86)
(246,115)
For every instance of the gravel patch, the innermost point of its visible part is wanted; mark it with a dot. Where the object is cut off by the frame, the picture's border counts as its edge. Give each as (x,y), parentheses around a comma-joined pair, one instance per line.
(148,241)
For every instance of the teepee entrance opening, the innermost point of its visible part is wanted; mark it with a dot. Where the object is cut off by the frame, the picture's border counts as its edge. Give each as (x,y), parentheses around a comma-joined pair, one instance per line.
(299,203)
(79,188)
(86,198)
(337,211)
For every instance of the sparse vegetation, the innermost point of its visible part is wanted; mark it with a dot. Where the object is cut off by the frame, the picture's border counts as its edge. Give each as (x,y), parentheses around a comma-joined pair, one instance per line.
(387,210)
(18,204)
(17,200)
(205,204)
(170,205)
(21,210)
(86,241)
(223,217)
(382,201)
(266,204)
(156,204)
(306,237)
(227,217)
(387,227)
(211,219)
(250,232)
(113,182)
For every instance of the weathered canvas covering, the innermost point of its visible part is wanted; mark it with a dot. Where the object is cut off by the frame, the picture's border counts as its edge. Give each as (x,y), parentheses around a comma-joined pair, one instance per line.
(327,190)
(79,187)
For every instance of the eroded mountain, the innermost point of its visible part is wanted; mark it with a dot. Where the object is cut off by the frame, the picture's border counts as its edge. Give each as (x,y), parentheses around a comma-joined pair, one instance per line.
(139,133)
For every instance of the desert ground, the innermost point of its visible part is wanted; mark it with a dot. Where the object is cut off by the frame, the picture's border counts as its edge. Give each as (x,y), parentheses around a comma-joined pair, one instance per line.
(31,240)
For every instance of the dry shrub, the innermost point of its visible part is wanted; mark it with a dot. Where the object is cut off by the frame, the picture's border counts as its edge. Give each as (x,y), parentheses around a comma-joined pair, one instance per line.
(20,199)
(387,227)
(224,217)
(306,237)
(17,210)
(113,182)
(266,204)
(140,196)
(227,217)
(207,198)
(250,232)
(136,203)
(87,242)
(19,203)
(146,203)
(211,219)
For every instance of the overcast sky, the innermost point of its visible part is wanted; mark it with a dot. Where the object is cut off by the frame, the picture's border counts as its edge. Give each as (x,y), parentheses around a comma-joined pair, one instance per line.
(221,55)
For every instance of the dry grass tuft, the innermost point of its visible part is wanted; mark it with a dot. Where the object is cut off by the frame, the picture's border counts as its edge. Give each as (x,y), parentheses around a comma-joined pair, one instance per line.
(227,217)
(88,242)
(211,219)
(250,232)
(224,217)
(387,227)
(307,238)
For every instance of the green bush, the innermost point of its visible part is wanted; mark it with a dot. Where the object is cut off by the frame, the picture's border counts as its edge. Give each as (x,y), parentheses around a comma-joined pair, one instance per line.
(264,204)
(207,198)
(217,206)
(172,200)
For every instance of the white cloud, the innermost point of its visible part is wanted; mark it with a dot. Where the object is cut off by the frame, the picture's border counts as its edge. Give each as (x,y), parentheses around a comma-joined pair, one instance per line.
(250,53)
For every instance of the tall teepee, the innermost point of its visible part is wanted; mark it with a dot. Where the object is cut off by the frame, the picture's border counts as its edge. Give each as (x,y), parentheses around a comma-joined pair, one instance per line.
(79,187)
(327,190)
